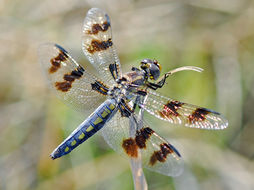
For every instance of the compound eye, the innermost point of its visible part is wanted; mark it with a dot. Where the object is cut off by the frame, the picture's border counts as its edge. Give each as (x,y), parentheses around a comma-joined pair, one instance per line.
(157,64)
(154,71)
(145,63)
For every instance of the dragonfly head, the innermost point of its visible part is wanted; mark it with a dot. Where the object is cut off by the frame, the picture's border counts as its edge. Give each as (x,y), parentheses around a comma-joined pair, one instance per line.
(151,67)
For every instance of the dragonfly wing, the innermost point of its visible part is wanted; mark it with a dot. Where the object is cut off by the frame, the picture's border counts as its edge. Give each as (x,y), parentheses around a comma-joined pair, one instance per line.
(97,45)
(70,81)
(156,153)
(177,112)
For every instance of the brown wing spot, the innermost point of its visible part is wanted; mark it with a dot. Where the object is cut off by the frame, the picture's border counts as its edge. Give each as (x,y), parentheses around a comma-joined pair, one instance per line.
(75,74)
(97,45)
(99,27)
(56,61)
(63,86)
(170,109)
(161,155)
(130,147)
(142,136)
(198,115)
(69,79)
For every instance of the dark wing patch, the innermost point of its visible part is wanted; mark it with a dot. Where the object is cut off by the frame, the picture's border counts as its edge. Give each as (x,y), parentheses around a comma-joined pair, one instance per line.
(170,109)
(63,86)
(131,145)
(97,45)
(143,142)
(56,61)
(198,115)
(185,114)
(142,136)
(162,154)
(96,28)
(69,79)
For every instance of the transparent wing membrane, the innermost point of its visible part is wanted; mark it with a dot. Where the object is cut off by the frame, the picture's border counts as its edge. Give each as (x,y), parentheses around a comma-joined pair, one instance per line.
(71,82)
(181,113)
(156,153)
(97,44)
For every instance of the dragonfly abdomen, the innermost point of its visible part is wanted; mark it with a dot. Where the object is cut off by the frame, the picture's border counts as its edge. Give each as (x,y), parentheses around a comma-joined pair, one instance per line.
(86,129)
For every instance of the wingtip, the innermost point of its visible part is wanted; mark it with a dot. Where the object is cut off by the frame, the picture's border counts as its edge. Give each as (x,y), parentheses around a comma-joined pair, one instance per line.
(226,124)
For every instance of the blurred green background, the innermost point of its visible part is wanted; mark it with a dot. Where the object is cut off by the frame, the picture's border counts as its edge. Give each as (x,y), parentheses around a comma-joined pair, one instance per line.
(216,35)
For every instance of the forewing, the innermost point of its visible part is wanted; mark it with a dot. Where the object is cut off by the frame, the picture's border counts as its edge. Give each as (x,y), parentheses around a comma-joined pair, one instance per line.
(97,45)
(71,82)
(157,154)
(177,112)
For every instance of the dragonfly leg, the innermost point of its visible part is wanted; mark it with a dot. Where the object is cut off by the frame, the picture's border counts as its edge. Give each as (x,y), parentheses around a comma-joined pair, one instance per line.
(159,84)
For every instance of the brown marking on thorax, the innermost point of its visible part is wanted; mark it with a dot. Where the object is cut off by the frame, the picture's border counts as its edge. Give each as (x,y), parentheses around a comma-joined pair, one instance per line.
(134,77)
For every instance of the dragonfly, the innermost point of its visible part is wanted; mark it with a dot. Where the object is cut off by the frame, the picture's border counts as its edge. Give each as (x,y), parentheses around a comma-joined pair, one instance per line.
(114,98)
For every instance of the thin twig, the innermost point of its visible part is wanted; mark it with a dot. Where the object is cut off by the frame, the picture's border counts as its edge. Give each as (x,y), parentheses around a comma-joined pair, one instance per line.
(136,163)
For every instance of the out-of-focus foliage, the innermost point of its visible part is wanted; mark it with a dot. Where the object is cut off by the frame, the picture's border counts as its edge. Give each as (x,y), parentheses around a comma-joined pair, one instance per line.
(216,35)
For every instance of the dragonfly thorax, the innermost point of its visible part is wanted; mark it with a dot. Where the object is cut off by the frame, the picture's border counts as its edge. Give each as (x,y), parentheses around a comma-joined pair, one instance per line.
(118,91)
(134,78)
(149,69)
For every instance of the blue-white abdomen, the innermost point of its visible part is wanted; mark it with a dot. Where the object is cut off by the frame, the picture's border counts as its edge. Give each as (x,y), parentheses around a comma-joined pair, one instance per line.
(86,129)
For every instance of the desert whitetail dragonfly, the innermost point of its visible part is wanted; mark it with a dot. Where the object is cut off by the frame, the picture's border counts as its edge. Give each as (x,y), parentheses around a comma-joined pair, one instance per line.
(115,96)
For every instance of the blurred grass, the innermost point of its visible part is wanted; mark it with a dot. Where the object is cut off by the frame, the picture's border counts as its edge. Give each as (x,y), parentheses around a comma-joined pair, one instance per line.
(215,35)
